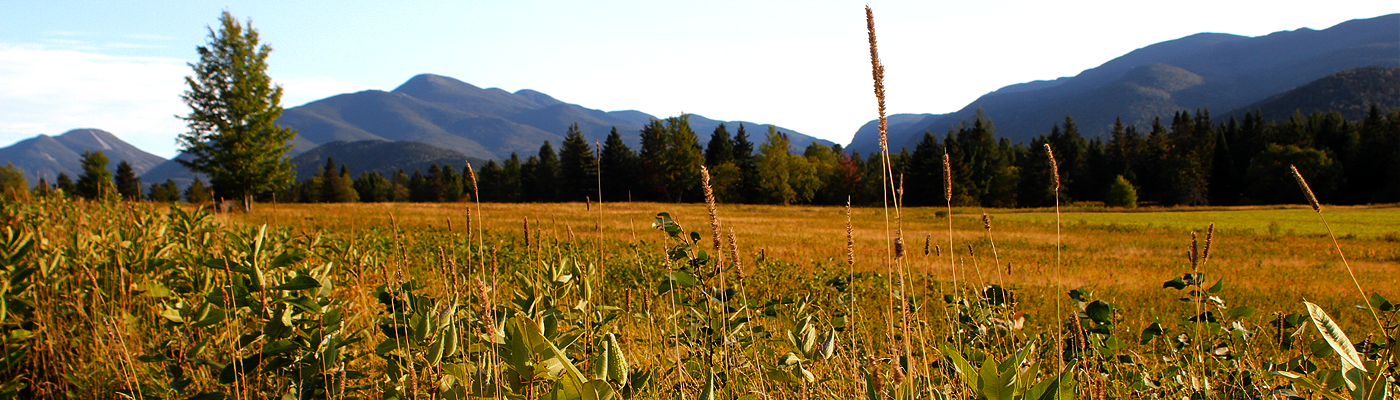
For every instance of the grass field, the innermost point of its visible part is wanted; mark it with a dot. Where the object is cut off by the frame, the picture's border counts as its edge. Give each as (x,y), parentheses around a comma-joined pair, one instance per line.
(1271,256)
(406,301)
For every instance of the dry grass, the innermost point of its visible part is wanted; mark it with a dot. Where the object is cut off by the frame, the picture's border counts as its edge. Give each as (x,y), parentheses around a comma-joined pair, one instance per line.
(1268,256)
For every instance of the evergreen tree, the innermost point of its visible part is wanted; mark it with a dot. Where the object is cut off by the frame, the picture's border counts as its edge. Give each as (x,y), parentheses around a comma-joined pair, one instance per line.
(167,192)
(546,175)
(342,189)
(578,167)
(65,185)
(452,189)
(490,182)
(197,193)
(127,183)
(720,150)
(373,187)
(618,166)
(512,178)
(530,181)
(234,106)
(400,190)
(743,155)
(96,181)
(650,181)
(923,185)
(683,160)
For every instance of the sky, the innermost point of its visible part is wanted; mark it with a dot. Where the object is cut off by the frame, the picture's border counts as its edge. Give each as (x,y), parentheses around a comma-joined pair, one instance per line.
(120,66)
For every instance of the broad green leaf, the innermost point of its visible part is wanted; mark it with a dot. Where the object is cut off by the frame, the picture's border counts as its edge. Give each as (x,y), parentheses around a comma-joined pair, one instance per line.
(1219,285)
(1309,383)
(993,384)
(965,370)
(1100,311)
(1337,339)
(1241,312)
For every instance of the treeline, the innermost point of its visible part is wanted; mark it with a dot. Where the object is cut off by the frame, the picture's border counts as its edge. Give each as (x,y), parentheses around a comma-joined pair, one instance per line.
(96,183)
(1189,160)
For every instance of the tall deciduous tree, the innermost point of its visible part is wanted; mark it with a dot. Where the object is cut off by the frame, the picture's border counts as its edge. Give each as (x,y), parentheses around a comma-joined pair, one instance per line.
(234,106)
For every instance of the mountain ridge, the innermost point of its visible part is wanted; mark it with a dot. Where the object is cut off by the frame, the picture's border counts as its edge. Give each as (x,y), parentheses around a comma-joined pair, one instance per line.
(1233,70)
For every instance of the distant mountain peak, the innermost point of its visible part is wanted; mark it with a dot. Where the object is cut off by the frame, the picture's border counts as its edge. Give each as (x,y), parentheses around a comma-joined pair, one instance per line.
(481,123)
(1216,71)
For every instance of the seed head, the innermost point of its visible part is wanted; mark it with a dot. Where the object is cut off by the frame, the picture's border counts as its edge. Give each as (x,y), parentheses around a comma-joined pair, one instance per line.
(877,72)
(1054,168)
(1210,234)
(1312,200)
(986,221)
(471,173)
(947,178)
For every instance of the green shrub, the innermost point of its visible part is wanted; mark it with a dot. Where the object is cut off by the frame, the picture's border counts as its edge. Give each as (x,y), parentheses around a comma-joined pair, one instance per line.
(1121,194)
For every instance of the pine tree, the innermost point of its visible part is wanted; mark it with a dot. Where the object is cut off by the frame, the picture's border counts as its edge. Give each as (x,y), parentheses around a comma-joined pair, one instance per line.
(720,150)
(490,182)
(681,164)
(546,185)
(512,179)
(197,193)
(234,106)
(923,184)
(65,185)
(618,166)
(96,181)
(127,183)
(578,167)
(743,155)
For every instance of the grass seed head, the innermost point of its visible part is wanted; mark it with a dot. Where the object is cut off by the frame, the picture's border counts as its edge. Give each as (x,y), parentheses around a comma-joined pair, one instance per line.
(947,178)
(877,72)
(476,195)
(1054,168)
(1303,183)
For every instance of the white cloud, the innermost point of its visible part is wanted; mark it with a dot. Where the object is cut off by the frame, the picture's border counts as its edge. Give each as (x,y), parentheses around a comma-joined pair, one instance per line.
(51,91)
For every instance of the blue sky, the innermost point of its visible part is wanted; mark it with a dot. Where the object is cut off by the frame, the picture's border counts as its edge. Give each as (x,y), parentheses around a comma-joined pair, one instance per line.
(119,66)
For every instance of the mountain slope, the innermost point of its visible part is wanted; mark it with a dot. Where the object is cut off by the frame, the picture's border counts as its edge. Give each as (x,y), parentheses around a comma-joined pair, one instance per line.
(1220,72)
(1351,92)
(481,123)
(48,156)
(377,155)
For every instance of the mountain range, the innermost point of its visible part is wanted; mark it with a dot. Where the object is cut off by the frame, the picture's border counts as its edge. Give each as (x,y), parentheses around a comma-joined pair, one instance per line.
(1215,71)
(480,123)
(434,118)
(47,156)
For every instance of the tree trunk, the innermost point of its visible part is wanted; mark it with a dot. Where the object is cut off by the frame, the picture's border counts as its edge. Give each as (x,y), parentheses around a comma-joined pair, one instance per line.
(247,203)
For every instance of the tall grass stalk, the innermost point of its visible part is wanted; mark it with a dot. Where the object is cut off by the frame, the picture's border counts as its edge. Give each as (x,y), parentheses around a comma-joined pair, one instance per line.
(1059,245)
(1317,208)
(877,71)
